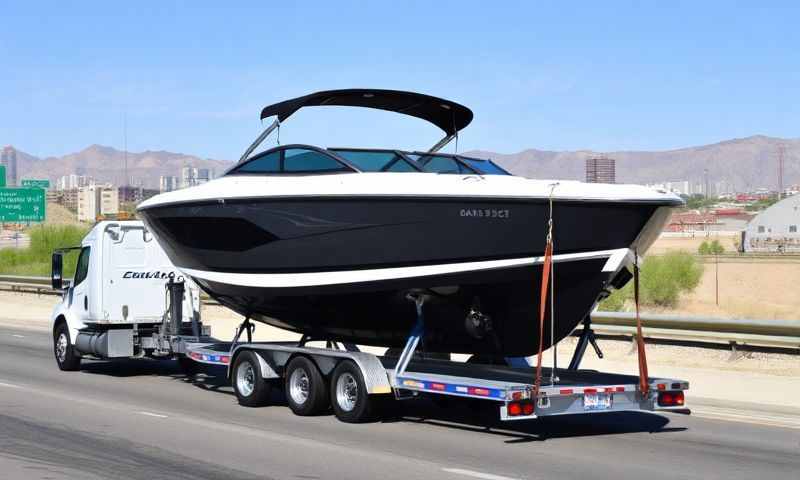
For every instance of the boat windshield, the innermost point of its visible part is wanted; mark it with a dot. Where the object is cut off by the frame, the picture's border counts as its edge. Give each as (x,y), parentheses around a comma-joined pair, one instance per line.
(441,164)
(486,167)
(376,160)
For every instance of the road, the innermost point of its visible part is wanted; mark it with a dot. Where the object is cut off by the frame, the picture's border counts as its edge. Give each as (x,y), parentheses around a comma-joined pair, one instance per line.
(145,420)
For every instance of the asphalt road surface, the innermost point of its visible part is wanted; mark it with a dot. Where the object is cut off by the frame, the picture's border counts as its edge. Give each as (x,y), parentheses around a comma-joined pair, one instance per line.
(146,420)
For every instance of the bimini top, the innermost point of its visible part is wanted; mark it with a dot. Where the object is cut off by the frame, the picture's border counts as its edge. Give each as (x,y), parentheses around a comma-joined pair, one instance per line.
(449,116)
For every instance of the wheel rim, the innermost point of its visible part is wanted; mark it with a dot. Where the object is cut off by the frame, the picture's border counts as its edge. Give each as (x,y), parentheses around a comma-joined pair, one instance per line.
(298,386)
(246,379)
(346,392)
(61,347)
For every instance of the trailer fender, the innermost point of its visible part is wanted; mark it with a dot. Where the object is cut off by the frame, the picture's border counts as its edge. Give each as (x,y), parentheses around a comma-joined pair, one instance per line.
(267,372)
(375,377)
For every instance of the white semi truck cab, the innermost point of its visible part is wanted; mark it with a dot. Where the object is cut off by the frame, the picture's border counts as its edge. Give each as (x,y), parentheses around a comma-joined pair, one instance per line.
(119,304)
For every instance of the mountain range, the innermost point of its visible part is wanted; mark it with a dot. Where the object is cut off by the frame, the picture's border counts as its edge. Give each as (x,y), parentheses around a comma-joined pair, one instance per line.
(744,163)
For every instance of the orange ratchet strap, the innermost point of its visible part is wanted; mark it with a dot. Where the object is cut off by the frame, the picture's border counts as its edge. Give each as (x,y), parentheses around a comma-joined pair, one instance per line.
(548,259)
(644,387)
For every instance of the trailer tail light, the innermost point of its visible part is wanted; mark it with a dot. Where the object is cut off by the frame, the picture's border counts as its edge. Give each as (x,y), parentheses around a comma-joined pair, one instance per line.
(670,399)
(515,409)
(527,408)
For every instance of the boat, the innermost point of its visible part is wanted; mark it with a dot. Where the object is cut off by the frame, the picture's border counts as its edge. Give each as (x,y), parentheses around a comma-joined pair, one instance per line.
(332,242)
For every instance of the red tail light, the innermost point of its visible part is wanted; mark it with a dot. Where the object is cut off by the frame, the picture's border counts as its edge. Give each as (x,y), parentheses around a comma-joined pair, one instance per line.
(670,399)
(527,408)
(514,409)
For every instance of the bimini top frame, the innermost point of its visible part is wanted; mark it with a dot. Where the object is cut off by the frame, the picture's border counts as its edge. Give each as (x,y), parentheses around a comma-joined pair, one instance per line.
(451,117)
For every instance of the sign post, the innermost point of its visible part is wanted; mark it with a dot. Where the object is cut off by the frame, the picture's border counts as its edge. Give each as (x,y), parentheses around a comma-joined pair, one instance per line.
(18,205)
(31,183)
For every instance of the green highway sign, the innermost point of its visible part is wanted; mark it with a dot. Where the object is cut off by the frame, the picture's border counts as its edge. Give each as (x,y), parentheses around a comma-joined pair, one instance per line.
(36,183)
(18,205)
(2,175)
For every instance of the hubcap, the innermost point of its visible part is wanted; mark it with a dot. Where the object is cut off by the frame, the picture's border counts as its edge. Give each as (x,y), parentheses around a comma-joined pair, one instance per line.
(245,379)
(346,392)
(298,386)
(61,347)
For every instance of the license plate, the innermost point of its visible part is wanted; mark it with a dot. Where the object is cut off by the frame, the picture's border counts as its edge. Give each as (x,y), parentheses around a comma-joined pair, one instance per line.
(596,401)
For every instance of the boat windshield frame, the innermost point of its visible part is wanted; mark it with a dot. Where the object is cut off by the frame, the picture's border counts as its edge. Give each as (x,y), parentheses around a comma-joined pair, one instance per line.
(461,160)
(349,167)
(400,153)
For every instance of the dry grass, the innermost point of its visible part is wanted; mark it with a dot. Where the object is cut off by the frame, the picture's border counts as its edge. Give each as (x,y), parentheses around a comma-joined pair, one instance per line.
(747,290)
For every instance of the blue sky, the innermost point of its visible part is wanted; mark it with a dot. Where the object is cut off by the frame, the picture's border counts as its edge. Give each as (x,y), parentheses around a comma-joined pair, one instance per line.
(192,76)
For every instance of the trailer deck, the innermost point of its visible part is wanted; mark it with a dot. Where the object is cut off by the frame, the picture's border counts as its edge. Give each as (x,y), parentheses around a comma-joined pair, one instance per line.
(573,392)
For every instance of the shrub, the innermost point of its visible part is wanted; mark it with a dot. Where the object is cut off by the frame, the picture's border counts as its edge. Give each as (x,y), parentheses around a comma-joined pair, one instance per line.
(35,260)
(661,281)
(704,248)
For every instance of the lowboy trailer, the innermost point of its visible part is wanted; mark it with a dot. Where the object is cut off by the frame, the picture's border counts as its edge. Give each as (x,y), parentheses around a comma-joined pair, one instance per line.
(142,307)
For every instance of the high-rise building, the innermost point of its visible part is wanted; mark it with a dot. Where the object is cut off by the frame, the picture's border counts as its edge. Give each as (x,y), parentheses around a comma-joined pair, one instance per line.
(188,177)
(168,183)
(191,176)
(600,169)
(97,200)
(9,160)
(73,181)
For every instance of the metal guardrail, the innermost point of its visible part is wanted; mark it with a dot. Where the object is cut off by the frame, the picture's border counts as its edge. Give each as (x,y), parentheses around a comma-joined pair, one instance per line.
(696,329)
(691,329)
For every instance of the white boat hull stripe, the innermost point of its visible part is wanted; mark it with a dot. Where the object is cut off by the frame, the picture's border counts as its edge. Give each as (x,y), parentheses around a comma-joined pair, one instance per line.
(312,279)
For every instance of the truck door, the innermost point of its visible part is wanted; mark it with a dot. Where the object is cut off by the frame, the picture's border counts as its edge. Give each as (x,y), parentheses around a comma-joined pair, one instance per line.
(80,289)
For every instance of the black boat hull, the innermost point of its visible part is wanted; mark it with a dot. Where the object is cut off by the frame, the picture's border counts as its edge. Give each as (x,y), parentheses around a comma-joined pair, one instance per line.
(249,240)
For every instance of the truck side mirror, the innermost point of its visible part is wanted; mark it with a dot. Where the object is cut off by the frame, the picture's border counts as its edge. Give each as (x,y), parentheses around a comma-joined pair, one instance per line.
(56,274)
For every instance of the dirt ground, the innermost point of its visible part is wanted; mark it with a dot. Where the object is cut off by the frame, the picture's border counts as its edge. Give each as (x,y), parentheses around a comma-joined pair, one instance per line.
(769,289)
(690,244)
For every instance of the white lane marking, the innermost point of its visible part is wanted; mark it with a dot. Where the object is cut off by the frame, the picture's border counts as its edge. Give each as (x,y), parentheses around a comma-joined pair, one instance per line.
(151,414)
(473,474)
(17,336)
(787,421)
(2,384)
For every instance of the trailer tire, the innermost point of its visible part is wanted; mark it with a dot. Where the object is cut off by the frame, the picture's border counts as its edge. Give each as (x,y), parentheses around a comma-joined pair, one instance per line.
(252,390)
(349,398)
(306,389)
(66,357)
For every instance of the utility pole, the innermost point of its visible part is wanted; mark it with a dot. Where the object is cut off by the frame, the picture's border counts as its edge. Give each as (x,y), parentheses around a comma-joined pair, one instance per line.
(125,144)
(781,160)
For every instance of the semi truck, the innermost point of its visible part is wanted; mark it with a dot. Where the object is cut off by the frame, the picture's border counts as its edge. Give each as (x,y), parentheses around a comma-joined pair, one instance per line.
(127,300)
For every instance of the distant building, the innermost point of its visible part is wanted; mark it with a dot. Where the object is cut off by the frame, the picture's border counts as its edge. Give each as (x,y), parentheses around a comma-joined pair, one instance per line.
(776,229)
(601,170)
(168,183)
(191,176)
(9,159)
(72,181)
(130,193)
(680,187)
(97,200)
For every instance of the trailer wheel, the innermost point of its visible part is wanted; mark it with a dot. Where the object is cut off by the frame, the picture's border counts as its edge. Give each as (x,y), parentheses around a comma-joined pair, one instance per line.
(306,391)
(251,389)
(349,397)
(66,357)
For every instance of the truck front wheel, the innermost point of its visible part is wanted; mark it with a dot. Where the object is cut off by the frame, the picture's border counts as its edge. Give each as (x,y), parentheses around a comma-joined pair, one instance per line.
(66,357)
